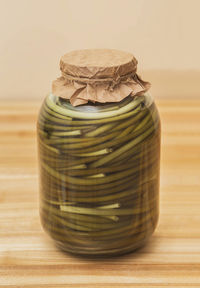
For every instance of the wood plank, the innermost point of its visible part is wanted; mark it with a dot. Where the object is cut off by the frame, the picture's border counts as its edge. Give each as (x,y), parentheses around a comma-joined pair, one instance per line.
(171,258)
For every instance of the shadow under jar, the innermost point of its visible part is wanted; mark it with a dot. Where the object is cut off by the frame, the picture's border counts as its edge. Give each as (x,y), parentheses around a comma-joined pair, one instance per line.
(99,174)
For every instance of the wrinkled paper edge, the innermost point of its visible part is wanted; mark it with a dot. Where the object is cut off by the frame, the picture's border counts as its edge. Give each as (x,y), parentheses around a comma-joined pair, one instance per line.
(79,93)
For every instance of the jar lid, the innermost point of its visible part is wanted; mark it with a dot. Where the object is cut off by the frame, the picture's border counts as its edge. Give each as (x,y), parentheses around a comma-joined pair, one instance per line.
(98,63)
(98,75)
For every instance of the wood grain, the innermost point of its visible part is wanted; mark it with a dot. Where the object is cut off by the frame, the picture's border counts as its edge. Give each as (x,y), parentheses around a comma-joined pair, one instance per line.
(28,258)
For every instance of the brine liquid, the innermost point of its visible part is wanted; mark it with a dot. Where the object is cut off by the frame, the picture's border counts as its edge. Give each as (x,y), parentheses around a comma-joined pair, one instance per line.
(99,174)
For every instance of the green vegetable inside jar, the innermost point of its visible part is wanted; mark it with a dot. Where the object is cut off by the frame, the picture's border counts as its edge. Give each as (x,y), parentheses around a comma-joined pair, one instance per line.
(99,155)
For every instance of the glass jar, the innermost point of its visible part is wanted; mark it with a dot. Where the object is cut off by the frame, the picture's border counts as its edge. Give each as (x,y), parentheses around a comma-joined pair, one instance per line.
(99,173)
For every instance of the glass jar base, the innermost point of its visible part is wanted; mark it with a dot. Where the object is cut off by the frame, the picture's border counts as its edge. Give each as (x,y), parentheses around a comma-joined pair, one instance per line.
(101,254)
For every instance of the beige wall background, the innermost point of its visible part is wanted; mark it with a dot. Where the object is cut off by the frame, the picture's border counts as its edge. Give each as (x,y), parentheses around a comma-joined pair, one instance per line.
(162,34)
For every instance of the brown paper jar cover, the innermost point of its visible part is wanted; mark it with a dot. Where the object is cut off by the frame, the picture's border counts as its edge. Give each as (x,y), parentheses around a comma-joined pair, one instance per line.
(98,75)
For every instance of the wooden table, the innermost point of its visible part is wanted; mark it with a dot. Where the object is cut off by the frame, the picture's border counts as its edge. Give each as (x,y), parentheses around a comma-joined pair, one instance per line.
(28,258)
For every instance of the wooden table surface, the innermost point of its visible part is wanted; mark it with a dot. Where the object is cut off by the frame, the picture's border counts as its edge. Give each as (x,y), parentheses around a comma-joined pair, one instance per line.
(28,258)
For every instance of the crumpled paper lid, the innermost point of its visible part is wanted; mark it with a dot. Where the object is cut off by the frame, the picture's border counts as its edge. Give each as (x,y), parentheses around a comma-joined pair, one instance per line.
(98,75)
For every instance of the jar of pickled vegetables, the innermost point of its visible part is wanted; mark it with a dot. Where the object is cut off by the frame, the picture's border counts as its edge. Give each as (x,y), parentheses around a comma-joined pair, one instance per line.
(99,155)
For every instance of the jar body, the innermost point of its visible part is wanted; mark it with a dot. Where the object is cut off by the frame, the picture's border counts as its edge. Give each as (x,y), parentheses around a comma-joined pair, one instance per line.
(99,174)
